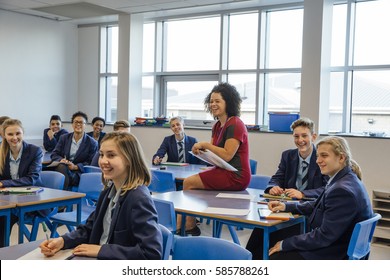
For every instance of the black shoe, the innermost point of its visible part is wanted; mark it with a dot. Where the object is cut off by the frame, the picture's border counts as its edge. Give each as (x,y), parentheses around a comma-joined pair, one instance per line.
(197,222)
(194,231)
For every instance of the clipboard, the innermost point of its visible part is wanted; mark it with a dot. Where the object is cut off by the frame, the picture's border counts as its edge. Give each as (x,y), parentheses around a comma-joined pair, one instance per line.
(211,158)
(21,190)
(286,198)
(175,163)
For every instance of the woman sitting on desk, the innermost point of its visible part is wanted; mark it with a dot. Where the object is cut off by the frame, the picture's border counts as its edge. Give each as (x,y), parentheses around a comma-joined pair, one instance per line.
(20,162)
(229,141)
(124,225)
(332,217)
(74,150)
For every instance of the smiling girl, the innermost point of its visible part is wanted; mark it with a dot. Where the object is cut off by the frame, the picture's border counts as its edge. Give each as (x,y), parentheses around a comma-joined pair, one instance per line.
(124,224)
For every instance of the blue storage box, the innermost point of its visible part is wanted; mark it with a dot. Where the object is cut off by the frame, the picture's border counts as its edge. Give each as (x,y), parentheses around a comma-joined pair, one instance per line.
(281,122)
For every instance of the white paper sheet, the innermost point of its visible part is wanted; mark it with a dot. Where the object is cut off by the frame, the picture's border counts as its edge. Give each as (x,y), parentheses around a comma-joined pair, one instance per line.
(227,211)
(237,196)
(209,157)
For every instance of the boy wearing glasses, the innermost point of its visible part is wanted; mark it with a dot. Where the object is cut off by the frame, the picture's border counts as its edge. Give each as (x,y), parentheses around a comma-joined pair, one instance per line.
(74,150)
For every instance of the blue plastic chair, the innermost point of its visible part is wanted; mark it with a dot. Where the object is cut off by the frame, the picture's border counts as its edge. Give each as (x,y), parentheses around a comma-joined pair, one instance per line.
(167,237)
(259,182)
(52,180)
(253,165)
(360,244)
(90,184)
(162,181)
(166,214)
(90,169)
(207,248)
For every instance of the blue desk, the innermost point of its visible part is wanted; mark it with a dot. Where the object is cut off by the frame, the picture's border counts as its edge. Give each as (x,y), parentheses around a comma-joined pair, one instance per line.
(195,202)
(48,198)
(5,211)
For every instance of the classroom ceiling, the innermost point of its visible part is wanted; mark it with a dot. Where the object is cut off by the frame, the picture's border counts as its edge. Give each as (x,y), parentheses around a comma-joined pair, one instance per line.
(95,11)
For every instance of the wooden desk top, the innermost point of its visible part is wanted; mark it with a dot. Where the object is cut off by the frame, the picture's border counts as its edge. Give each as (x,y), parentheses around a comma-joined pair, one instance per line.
(47,195)
(195,202)
(6,205)
(181,172)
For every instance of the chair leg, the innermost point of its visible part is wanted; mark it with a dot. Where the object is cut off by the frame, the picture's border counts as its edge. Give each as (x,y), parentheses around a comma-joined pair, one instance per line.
(53,230)
(34,229)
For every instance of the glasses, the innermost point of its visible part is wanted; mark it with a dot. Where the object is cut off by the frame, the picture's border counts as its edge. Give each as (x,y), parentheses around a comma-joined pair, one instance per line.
(78,122)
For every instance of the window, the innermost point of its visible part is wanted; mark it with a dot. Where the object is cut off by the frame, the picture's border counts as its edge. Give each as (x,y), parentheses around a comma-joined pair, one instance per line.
(360,80)
(108,73)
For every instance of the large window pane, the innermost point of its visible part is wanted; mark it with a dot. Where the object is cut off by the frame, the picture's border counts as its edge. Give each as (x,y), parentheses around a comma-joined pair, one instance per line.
(112,49)
(372,42)
(193,44)
(243,41)
(109,86)
(246,86)
(339,28)
(185,99)
(336,102)
(371,102)
(147,97)
(284,92)
(285,39)
(148,48)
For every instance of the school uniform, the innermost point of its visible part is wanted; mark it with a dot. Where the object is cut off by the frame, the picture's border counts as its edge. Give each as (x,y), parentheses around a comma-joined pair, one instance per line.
(286,175)
(169,147)
(101,135)
(134,233)
(48,144)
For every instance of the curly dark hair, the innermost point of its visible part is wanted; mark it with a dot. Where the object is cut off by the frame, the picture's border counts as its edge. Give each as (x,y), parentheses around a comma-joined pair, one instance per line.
(231,96)
(80,114)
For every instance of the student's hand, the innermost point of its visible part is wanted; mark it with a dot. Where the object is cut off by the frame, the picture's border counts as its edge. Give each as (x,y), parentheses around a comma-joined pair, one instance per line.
(274,249)
(88,250)
(72,166)
(293,193)
(49,248)
(276,206)
(50,133)
(276,190)
(157,160)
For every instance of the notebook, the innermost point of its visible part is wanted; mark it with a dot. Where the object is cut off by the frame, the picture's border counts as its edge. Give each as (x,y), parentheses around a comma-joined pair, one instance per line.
(269,215)
(21,190)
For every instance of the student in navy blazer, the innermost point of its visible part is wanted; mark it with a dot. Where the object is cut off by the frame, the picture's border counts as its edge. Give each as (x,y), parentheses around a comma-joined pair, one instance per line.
(332,217)
(74,150)
(288,178)
(52,134)
(20,163)
(169,145)
(97,133)
(124,225)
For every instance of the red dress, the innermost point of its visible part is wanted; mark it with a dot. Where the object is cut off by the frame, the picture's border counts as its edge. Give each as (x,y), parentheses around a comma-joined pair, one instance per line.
(222,179)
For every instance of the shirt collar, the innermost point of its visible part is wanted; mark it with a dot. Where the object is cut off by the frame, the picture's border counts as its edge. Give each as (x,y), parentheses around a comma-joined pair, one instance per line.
(18,157)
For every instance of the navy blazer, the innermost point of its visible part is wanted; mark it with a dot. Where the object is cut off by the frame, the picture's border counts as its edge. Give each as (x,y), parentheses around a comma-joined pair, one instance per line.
(48,144)
(101,135)
(169,146)
(84,155)
(29,171)
(287,173)
(331,218)
(134,231)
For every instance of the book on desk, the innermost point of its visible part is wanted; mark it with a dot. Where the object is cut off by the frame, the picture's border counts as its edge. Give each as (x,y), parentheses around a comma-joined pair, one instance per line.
(285,198)
(21,190)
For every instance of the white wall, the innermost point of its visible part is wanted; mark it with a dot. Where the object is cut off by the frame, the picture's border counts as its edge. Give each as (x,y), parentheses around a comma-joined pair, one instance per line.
(38,70)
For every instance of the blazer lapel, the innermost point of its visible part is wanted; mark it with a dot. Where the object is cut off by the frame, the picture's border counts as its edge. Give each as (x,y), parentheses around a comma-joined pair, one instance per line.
(81,148)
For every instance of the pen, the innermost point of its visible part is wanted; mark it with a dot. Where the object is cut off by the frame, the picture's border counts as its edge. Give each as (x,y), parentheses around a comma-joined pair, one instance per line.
(45,231)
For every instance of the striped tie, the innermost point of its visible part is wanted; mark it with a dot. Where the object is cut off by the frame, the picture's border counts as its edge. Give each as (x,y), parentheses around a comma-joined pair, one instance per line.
(304,175)
(181,151)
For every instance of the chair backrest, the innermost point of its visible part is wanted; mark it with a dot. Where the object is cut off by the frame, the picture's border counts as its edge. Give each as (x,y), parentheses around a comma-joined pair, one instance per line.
(259,182)
(207,248)
(91,184)
(167,242)
(90,169)
(253,165)
(162,181)
(52,180)
(360,243)
(166,213)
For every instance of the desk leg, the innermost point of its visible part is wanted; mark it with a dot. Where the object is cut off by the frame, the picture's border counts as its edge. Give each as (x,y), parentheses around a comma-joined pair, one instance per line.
(266,243)
(78,213)
(183,225)
(7,229)
(21,225)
